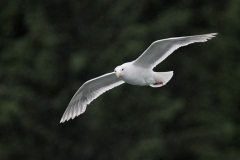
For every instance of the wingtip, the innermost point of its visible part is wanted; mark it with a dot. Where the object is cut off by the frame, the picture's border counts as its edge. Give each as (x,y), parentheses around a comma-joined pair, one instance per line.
(67,118)
(212,35)
(209,36)
(62,120)
(71,114)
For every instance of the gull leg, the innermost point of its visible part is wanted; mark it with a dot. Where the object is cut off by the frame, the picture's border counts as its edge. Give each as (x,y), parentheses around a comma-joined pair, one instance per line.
(157,82)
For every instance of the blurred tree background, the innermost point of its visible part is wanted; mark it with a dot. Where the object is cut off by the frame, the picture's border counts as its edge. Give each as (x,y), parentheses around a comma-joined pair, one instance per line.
(49,48)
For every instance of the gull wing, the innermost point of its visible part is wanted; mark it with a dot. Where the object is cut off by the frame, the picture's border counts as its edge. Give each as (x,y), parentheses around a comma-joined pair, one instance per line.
(89,91)
(161,49)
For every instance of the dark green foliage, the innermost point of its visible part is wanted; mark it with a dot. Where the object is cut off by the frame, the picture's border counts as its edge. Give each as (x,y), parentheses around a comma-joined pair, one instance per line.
(48,49)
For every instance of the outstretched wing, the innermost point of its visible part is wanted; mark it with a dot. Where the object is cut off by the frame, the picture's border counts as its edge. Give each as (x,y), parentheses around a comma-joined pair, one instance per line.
(161,49)
(89,91)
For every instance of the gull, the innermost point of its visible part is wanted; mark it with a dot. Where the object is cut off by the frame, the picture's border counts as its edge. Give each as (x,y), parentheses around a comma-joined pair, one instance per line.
(138,72)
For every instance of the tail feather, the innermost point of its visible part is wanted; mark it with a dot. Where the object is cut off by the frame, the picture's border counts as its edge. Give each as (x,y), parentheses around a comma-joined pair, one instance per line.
(163,77)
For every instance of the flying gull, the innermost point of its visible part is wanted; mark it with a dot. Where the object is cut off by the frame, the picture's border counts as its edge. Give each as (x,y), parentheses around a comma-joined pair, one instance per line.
(138,72)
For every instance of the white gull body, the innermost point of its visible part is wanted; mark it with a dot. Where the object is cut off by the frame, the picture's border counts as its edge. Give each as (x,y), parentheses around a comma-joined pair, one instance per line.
(138,72)
(135,75)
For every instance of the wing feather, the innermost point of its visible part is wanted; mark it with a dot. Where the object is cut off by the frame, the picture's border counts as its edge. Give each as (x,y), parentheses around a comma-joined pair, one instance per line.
(161,49)
(89,91)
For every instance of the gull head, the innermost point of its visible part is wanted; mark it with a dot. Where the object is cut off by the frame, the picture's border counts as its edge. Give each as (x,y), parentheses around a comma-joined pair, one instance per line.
(120,70)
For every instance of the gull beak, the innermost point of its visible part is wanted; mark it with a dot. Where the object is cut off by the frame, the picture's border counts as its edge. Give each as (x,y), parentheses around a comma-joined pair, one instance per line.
(118,74)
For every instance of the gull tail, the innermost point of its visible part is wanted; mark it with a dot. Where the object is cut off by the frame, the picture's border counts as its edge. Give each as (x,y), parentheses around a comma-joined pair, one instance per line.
(161,78)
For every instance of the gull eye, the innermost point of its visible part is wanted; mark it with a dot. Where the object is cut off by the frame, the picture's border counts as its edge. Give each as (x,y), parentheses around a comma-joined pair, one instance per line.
(122,69)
